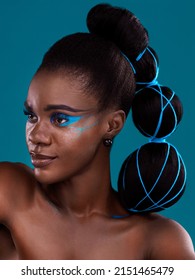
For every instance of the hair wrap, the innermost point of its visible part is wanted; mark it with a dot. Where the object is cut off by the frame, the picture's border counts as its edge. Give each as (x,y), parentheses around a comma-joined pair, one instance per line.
(160,203)
(162,109)
(153,177)
(154,81)
(136,190)
(137,59)
(134,184)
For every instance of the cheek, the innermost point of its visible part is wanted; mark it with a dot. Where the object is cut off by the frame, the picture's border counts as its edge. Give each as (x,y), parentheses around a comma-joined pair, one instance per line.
(76,152)
(79,140)
(27,132)
(87,126)
(79,147)
(89,132)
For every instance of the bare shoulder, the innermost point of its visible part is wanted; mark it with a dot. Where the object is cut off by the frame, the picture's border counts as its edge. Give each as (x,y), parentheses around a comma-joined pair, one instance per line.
(13,167)
(13,173)
(168,239)
(16,184)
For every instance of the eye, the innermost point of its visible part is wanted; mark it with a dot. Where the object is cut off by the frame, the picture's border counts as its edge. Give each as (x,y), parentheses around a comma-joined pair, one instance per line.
(31,116)
(59,119)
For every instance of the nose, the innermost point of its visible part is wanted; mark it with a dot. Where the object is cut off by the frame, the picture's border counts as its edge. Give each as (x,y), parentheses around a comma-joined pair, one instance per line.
(38,134)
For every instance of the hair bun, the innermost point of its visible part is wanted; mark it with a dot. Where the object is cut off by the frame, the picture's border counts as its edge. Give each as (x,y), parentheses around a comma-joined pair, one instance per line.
(119,26)
(147,68)
(152,178)
(156,111)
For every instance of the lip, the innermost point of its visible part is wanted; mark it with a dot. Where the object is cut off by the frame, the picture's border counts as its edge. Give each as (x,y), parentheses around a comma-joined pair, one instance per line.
(40,160)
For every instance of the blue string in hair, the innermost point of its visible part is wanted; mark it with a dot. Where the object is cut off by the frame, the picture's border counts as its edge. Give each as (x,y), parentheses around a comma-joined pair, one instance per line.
(154,85)
(137,59)
(141,54)
(162,109)
(154,81)
(157,204)
(131,64)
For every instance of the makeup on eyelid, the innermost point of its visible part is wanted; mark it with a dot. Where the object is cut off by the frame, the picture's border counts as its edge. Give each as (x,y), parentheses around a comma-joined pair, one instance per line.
(68,120)
(71,120)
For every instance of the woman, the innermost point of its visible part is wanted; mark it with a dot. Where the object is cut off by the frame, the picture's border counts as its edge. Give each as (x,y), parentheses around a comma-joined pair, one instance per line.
(78,100)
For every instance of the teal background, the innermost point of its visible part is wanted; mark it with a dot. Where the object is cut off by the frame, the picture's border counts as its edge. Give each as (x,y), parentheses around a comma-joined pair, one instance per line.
(28,28)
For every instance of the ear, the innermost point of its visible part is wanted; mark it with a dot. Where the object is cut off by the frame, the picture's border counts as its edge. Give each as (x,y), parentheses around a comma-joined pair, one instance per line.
(115,123)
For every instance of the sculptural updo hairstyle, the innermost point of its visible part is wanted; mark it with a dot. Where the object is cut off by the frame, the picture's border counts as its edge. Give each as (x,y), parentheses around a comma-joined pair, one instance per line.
(115,63)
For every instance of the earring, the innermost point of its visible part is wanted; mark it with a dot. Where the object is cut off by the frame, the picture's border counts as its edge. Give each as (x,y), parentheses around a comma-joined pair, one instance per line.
(108,142)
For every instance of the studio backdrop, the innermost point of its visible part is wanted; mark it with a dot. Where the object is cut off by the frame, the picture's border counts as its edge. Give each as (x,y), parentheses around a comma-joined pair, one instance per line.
(28,28)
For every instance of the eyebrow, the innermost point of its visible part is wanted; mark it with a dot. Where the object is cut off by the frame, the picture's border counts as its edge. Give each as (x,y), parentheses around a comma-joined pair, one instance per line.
(51,107)
(62,107)
(27,106)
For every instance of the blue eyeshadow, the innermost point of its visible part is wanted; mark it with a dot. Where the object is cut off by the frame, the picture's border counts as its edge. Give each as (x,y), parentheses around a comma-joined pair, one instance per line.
(67,120)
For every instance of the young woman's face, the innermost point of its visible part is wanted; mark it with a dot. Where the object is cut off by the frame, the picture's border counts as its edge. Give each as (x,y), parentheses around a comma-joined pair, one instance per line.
(64,131)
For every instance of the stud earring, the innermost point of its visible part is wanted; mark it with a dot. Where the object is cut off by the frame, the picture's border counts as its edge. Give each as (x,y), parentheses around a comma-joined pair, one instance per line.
(108,142)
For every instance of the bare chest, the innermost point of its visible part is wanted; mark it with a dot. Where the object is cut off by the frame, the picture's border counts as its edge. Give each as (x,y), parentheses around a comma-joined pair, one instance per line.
(41,235)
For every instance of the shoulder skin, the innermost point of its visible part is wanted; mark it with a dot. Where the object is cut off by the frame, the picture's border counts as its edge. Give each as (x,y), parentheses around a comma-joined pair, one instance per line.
(16,188)
(168,240)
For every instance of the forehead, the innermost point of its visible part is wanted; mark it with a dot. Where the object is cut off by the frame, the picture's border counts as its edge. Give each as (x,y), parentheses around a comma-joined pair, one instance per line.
(50,88)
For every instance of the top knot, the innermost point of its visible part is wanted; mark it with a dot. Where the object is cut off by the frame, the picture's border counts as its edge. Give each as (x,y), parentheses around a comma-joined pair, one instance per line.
(119,26)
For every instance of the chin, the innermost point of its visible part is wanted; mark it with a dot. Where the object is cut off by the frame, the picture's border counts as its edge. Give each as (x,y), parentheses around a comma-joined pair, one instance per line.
(44,176)
(48,176)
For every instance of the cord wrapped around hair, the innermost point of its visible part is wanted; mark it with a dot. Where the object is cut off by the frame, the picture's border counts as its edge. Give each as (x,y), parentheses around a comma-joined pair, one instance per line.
(137,59)
(146,186)
(164,103)
(154,81)
(154,176)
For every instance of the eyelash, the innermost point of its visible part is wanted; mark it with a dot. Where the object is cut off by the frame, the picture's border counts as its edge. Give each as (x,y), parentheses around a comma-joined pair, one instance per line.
(54,117)
(28,114)
(68,119)
(59,116)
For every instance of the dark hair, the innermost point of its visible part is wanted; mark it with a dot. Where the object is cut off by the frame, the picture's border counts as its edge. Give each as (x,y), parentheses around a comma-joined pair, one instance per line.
(152,178)
(102,62)
(96,59)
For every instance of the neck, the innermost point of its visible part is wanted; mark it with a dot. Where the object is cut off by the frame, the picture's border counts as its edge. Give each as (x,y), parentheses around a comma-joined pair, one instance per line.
(87,193)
